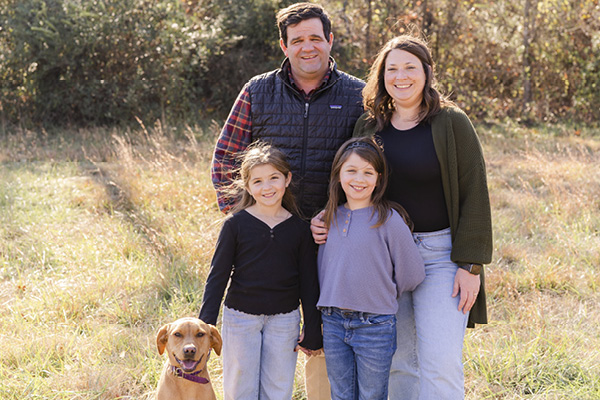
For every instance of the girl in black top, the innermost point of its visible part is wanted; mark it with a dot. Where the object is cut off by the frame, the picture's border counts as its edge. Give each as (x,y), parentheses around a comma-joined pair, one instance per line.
(267,254)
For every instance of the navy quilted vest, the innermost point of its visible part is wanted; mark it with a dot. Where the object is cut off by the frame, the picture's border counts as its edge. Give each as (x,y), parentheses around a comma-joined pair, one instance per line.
(310,132)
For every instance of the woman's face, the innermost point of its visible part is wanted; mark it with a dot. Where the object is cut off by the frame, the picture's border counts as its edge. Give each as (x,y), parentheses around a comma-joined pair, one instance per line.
(404,78)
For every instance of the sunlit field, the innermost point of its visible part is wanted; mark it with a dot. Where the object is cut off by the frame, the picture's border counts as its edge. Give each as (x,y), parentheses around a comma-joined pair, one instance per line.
(107,234)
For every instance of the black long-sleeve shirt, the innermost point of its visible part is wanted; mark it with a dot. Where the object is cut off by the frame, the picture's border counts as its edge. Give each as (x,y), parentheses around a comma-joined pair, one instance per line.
(272,270)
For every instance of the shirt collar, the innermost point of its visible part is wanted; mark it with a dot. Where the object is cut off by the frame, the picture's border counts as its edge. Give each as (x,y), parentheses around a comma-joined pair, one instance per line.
(287,69)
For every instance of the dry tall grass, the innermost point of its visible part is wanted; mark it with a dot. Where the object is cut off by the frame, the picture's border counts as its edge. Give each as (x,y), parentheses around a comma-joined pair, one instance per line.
(543,341)
(105,235)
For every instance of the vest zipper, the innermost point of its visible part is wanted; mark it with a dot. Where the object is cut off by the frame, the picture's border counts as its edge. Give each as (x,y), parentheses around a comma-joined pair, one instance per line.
(304,151)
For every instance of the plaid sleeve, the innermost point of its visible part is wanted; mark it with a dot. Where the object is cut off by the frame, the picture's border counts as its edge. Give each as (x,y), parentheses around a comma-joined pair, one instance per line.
(235,137)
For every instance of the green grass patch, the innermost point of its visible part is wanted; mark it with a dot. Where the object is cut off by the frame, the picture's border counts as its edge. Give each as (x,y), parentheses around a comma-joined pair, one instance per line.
(105,235)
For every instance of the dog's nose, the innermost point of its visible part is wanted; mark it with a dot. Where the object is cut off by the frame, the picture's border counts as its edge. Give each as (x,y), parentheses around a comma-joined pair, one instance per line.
(189,350)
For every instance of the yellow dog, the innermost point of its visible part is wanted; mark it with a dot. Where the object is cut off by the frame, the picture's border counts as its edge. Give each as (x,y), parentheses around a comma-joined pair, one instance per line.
(188,342)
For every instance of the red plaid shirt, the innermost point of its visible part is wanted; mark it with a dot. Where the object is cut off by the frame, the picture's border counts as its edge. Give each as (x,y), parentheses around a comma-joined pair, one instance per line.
(236,136)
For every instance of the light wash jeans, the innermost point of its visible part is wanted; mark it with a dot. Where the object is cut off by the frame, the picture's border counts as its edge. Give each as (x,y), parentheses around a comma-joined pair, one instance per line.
(259,361)
(358,351)
(428,363)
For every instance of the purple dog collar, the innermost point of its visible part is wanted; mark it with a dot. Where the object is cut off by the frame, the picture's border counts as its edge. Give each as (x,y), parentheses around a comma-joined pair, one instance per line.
(178,372)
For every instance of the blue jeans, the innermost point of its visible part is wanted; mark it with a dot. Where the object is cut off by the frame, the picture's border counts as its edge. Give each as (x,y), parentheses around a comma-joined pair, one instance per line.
(259,360)
(428,363)
(358,351)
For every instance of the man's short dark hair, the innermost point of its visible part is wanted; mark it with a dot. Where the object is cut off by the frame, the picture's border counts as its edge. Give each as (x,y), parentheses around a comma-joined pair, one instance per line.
(299,12)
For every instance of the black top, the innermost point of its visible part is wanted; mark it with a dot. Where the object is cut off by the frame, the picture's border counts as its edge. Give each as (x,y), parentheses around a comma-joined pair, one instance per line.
(415,178)
(271,271)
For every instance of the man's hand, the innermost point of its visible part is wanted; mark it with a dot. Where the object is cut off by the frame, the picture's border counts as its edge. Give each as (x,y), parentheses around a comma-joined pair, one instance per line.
(467,285)
(318,228)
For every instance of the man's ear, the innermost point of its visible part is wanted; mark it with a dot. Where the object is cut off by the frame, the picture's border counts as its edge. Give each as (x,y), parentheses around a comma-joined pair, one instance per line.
(283,47)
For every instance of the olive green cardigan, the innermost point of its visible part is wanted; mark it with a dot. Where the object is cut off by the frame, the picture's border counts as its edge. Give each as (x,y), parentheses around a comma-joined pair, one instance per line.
(465,190)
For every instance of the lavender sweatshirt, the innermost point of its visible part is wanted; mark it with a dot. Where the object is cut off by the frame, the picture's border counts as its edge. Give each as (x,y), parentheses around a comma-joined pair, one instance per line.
(365,269)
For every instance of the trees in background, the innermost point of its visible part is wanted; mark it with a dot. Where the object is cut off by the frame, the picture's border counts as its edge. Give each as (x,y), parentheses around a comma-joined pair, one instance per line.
(108,61)
(533,60)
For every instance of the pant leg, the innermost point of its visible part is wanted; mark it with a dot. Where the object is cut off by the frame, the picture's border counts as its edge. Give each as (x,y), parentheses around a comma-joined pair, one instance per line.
(341,365)
(440,326)
(242,341)
(316,379)
(404,376)
(278,361)
(374,342)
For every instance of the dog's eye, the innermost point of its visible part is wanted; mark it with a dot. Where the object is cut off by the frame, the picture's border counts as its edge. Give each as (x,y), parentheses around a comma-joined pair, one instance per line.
(200,334)
(177,334)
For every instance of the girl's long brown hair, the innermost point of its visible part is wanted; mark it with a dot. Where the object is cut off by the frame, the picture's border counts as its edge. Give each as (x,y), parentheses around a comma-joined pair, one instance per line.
(370,151)
(380,105)
(259,153)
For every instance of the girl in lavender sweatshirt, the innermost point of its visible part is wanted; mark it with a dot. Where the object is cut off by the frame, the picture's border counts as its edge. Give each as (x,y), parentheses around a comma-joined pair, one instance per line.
(369,259)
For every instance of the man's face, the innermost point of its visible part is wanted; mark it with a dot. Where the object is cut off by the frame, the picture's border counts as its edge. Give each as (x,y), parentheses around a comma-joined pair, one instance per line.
(308,50)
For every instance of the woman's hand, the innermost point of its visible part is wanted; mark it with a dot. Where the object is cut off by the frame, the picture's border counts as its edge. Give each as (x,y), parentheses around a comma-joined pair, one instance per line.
(318,228)
(468,286)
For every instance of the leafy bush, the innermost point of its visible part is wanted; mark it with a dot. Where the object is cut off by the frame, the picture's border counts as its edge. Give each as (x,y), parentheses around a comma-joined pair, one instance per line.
(108,61)
(241,40)
(98,61)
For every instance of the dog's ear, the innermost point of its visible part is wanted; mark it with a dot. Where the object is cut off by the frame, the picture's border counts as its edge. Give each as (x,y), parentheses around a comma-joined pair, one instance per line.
(215,339)
(161,338)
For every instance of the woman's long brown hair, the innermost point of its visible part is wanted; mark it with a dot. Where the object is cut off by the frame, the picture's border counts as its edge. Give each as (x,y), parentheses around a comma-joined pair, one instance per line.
(379,104)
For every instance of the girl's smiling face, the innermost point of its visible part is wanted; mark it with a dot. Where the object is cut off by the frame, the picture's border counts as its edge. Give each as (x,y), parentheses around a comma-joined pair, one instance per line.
(358,179)
(267,185)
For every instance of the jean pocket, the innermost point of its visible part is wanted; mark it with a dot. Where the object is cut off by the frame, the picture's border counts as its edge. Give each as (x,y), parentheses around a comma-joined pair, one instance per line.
(326,310)
(438,242)
(434,247)
(381,319)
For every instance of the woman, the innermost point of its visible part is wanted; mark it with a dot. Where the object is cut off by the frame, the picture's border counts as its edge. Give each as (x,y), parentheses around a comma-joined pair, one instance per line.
(438,175)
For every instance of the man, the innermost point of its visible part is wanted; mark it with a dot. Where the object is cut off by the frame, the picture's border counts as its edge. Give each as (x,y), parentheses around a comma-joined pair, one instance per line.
(307,108)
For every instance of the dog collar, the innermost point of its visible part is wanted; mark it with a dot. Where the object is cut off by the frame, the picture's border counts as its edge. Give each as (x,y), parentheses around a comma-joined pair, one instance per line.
(178,372)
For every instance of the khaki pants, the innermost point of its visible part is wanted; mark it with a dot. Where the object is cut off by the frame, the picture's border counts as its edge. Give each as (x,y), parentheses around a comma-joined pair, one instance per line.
(316,380)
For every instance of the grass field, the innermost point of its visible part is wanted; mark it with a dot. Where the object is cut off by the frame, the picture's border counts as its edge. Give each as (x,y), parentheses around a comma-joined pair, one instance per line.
(105,235)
